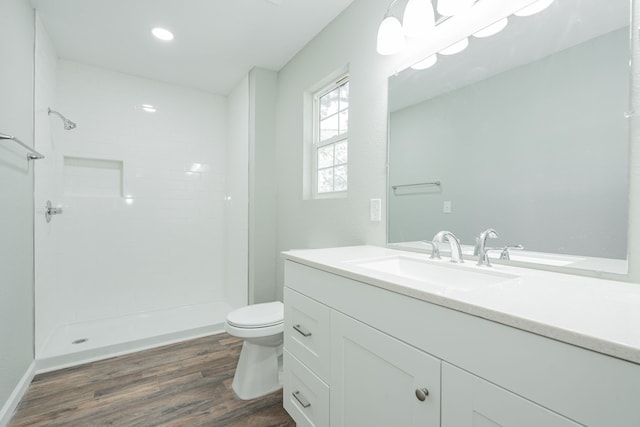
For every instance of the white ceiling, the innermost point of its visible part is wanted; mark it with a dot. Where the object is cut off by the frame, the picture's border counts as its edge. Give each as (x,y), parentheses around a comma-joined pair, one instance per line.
(216,41)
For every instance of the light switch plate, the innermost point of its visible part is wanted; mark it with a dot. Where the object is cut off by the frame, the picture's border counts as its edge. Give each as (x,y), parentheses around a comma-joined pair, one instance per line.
(375,210)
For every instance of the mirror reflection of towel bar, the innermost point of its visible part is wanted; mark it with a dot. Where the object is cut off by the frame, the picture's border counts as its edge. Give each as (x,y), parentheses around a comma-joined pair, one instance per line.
(436,183)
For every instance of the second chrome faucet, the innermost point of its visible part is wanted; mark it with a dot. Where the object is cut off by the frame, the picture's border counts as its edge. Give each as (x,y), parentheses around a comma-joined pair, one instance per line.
(456,250)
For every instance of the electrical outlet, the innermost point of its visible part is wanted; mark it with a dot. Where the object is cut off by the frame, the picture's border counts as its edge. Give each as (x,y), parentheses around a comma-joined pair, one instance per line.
(446,207)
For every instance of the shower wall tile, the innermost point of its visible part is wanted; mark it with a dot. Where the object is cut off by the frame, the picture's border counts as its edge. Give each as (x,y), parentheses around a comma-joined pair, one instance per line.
(161,244)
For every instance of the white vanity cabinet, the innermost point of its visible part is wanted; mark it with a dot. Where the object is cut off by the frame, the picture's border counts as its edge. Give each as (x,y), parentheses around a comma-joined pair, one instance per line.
(375,349)
(307,328)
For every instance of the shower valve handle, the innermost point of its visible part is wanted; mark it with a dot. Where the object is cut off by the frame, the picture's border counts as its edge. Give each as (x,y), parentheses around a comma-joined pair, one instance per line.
(50,211)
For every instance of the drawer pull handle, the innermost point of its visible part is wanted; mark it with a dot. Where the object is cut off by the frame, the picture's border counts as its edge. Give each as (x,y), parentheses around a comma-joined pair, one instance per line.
(300,398)
(421,394)
(302,331)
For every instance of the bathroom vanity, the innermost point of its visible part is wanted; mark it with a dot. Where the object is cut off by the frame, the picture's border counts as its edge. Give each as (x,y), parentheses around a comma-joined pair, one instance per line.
(380,337)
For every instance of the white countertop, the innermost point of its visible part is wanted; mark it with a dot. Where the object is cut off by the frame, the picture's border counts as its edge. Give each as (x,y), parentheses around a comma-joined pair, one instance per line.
(600,315)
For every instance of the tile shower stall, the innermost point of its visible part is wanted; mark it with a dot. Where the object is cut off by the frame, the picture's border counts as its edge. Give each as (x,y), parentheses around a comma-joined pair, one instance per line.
(138,254)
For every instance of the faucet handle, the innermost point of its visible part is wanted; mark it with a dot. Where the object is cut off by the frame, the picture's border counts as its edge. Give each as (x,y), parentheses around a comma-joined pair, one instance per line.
(505,251)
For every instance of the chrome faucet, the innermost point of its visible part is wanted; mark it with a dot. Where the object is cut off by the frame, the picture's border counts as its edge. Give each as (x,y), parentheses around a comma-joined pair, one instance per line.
(456,250)
(481,246)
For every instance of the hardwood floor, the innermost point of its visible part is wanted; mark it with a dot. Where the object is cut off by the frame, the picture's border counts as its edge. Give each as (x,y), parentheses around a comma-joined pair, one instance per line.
(184,384)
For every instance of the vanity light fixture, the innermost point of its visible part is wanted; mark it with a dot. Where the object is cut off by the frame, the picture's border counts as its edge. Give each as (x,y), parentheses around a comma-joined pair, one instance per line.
(390,34)
(418,19)
(419,22)
(162,34)
(534,8)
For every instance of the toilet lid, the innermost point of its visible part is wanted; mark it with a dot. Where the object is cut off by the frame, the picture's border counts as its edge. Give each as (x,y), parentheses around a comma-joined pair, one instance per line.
(257,315)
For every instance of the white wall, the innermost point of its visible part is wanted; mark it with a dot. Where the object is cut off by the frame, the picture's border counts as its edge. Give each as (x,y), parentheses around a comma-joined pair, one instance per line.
(350,40)
(262,185)
(237,196)
(144,233)
(16,199)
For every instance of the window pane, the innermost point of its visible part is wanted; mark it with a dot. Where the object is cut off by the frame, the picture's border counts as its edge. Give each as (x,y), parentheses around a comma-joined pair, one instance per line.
(329,127)
(344,121)
(329,103)
(344,96)
(340,178)
(325,180)
(325,156)
(341,153)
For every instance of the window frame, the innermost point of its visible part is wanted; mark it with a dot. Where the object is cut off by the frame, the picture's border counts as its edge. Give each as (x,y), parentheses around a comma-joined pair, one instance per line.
(316,144)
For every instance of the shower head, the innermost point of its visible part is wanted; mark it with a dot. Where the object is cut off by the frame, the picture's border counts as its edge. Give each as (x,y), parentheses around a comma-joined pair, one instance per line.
(68,124)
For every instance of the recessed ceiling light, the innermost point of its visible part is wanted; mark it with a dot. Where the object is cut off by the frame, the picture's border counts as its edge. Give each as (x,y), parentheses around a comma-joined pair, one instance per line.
(162,34)
(149,108)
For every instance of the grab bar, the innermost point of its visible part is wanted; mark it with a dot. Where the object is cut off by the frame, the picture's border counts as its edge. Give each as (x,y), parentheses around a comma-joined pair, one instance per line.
(31,155)
(436,183)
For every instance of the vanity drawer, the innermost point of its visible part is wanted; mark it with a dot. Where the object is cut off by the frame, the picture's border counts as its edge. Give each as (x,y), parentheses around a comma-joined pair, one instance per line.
(305,396)
(307,325)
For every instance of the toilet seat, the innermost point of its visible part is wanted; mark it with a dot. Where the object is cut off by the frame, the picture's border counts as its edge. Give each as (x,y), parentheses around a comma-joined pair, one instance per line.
(257,315)
(257,320)
(266,331)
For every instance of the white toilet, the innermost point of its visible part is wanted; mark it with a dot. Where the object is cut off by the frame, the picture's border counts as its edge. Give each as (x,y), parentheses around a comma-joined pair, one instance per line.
(261,326)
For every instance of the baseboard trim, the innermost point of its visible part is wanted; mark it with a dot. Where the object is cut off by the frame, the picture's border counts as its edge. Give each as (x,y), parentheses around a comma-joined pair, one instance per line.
(9,407)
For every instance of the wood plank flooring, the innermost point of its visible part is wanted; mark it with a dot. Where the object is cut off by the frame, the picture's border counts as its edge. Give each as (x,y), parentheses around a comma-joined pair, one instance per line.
(183,384)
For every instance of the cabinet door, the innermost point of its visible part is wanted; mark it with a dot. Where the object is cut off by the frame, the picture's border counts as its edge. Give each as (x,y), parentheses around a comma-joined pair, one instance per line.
(378,381)
(469,401)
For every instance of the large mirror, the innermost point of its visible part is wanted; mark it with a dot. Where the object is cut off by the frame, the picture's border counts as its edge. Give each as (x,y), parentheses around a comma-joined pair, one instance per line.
(525,132)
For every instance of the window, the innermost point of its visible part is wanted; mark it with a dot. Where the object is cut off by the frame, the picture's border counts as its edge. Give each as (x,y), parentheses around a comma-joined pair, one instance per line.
(330,138)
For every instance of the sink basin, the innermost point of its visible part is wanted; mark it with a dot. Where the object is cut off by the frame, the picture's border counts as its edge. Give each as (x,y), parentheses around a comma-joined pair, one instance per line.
(436,273)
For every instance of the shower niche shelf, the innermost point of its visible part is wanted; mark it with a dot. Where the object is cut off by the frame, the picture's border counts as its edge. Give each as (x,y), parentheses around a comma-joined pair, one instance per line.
(92,177)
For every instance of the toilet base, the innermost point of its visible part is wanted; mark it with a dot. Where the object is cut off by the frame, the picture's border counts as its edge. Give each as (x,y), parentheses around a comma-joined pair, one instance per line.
(257,372)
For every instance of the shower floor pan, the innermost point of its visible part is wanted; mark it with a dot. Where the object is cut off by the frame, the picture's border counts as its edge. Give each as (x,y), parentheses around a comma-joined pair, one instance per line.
(84,342)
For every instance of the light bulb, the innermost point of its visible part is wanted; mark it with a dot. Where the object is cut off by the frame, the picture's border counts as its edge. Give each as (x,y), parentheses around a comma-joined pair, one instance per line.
(428,62)
(390,36)
(456,47)
(534,8)
(162,34)
(418,19)
(492,29)
(453,7)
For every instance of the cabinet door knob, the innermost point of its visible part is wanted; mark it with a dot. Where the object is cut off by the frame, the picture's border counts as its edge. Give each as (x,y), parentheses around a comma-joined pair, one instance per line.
(302,331)
(421,394)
